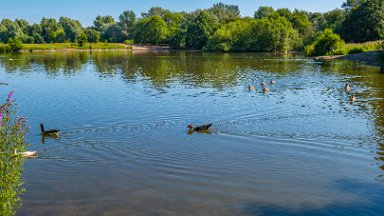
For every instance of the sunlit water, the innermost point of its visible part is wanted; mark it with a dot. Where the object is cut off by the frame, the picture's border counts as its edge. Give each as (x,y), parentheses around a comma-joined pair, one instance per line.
(301,149)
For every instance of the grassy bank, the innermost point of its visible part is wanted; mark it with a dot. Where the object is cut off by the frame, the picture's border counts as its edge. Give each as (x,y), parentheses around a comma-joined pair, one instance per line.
(352,48)
(64,46)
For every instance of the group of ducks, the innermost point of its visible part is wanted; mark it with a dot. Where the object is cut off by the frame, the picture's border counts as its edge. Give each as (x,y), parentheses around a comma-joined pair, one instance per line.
(263,85)
(55,133)
(347,89)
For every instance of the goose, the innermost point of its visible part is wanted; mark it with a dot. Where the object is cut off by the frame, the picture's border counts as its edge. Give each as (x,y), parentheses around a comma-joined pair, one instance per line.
(51,133)
(347,88)
(201,128)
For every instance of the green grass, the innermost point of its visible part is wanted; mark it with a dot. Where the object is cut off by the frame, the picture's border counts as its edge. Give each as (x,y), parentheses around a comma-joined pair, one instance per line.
(352,48)
(64,46)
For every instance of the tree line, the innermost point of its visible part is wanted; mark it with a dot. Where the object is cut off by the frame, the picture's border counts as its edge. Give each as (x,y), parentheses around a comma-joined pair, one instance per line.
(218,28)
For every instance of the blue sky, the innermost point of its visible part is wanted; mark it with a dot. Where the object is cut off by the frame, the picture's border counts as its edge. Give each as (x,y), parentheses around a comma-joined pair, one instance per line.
(86,10)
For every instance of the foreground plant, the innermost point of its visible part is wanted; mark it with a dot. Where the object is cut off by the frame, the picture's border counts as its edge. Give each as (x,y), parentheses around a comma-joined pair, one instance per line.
(12,144)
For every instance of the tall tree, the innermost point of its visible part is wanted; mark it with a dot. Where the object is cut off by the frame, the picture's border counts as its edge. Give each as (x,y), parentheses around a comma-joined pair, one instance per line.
(10,29)
(365,22)
(151,30)
(223,13)
(52,31)
(127,21)
(72,28)
(101,23)
(263,12)
(201,27)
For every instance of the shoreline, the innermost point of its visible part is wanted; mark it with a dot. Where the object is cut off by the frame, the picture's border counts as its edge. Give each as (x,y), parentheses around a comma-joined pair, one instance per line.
(372,58)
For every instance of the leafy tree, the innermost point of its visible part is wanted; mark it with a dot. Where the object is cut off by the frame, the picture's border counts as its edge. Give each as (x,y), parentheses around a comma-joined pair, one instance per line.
(92,35)
(201,27)
(101,23)
(326,43)
(23,24)
(52,31)
(151,30)
(113,33)
(9,29)
(264,12)
(82,40)
(247,34)
(15,44)
(156,11)
(72,28)
(223,13)
(127,22)
(365,22)
(178,39)
(36,33)
(234,36)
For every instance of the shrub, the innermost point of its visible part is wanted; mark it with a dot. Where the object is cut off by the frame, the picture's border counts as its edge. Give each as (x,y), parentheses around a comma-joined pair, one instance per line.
(12,143)
(326,43)
(15,44)
(129,42)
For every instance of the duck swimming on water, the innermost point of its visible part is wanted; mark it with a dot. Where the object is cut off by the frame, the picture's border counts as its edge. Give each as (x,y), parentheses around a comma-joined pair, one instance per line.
(201,128)
(54,133)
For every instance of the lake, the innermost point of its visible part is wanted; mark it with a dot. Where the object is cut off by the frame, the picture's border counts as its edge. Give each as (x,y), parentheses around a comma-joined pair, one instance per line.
(300,149)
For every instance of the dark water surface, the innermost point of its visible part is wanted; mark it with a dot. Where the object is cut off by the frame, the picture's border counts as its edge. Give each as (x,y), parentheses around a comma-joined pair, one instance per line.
(300,149)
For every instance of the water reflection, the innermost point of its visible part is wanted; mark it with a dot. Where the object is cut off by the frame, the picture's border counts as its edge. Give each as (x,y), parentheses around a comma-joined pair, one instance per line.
(300,148)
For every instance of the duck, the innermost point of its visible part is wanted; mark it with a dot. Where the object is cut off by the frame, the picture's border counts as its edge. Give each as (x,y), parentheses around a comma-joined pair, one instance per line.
(263,84)
(347,88)
(265,89)
(201,128)
(273,82)
(50,133)
(251,88)
(352,98)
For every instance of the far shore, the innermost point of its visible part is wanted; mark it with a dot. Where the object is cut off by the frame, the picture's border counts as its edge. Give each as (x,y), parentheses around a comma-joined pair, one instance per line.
(370,58)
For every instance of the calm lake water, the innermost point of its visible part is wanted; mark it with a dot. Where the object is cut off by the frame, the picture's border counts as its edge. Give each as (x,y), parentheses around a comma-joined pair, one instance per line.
(301,149)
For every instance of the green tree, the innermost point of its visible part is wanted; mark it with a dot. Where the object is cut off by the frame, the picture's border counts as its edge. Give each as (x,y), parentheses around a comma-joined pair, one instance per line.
(82,40)
(223,13)
(92,35)
(325,44)
(15,44)
(72,28)
(233,36)
(101,23)
(127,22)
(36,33)
(365,22)
(200,28)
(156,11)
(264,12)
(151,30)
(52,31)
(113,33)
(10,29)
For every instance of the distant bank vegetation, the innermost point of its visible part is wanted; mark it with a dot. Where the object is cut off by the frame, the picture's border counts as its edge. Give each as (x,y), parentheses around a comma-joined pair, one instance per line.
(219,28)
